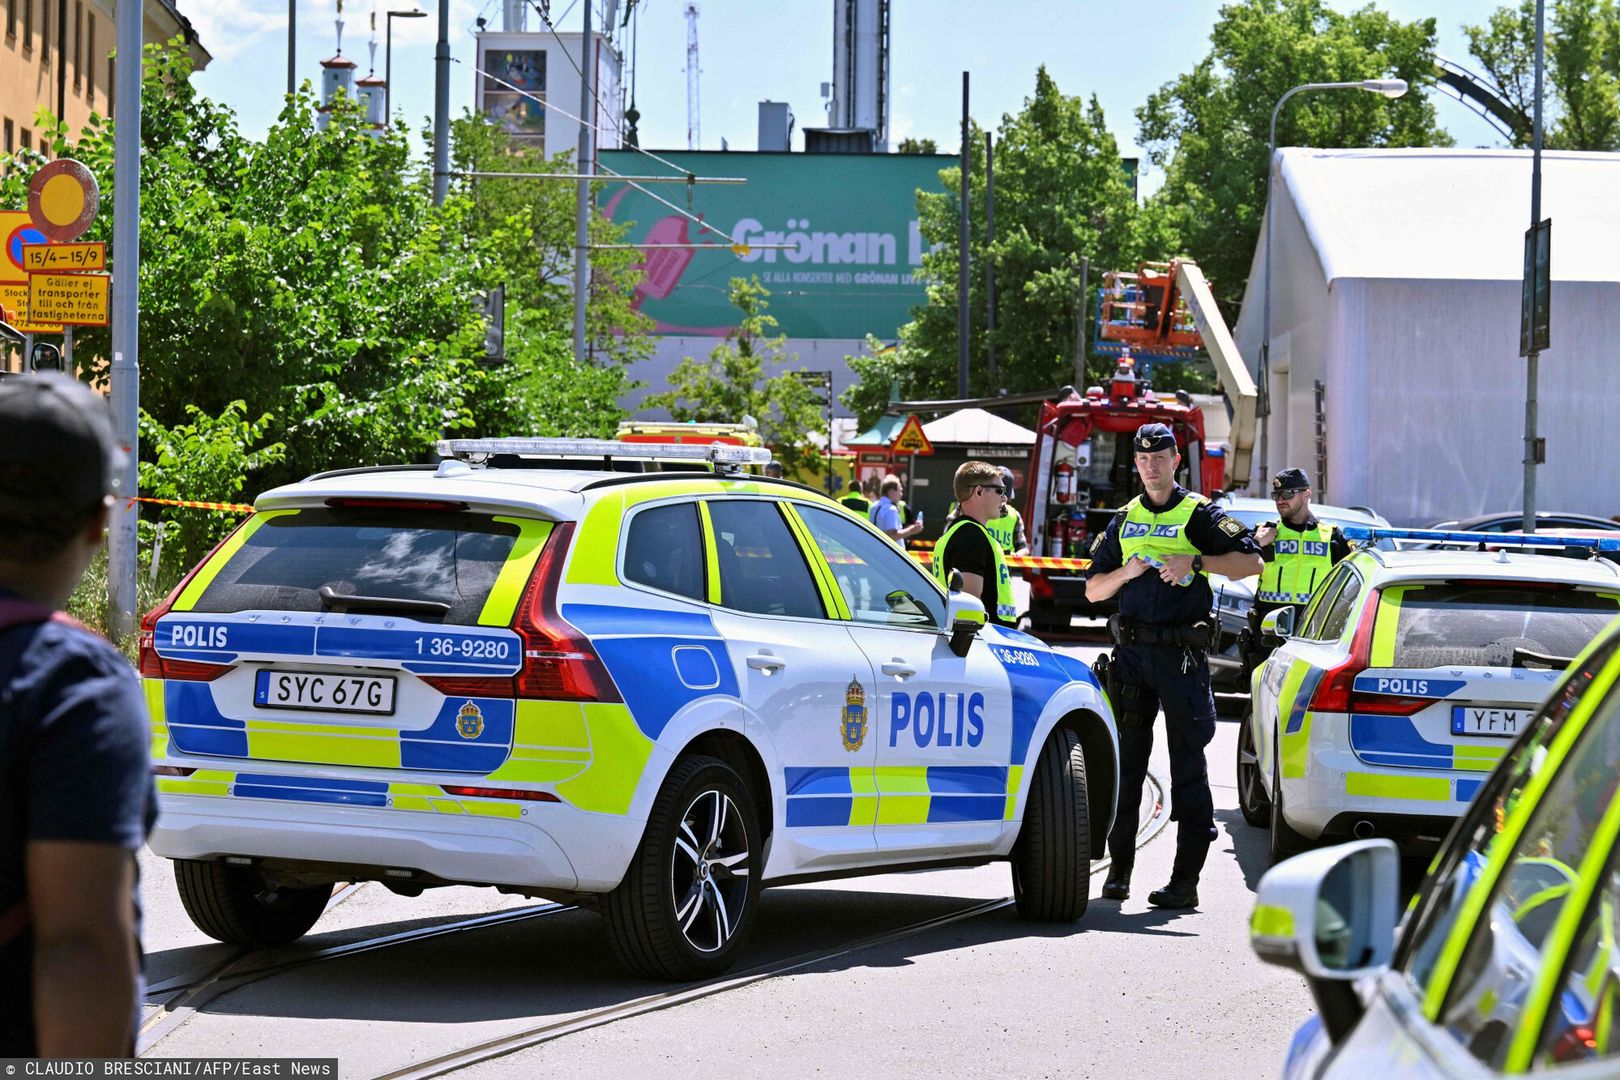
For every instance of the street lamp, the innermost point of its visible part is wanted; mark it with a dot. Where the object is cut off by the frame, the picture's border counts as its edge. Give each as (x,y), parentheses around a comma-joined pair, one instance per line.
(388,56)
(1390,88)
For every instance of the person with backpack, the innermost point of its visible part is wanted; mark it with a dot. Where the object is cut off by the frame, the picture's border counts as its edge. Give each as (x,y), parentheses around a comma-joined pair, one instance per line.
(76,799)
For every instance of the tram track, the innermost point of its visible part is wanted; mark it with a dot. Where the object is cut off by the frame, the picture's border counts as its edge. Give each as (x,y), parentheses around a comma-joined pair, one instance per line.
(191,995)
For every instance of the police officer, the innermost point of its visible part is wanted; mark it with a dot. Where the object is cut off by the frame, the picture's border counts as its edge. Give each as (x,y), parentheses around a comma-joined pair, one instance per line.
(1154,556)
(1299,551)
(1007,528)
(856,502)
(968,546)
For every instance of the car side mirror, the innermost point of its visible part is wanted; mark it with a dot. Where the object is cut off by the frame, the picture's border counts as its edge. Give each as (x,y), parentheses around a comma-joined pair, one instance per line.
(964,616)
(1277,625)
(1330,915)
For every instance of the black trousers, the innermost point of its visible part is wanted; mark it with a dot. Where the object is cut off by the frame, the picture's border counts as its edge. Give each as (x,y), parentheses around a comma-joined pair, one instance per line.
(1176,679)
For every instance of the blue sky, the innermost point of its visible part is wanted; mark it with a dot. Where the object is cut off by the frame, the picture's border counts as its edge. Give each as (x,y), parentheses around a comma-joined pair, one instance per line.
(782,50)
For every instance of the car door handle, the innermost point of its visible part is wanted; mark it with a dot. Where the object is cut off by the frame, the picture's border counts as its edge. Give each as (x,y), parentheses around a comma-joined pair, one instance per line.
(899,669)
(766,662)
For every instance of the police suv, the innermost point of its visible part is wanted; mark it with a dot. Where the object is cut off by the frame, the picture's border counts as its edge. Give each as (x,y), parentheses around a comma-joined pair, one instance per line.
(1406,680)
(651,693)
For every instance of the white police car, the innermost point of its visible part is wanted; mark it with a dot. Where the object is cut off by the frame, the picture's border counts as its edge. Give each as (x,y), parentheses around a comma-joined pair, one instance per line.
(655,692)
(1404,684)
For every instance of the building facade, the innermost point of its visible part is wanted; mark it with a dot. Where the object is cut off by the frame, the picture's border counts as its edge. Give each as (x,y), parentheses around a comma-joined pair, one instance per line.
(56,55)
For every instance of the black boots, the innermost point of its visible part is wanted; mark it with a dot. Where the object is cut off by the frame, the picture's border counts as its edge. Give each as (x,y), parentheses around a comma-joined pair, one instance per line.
(1180,893)
(1118,885)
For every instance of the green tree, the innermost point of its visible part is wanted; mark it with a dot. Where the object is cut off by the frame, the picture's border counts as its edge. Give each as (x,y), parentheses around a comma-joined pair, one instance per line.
(1061,193)
(910,145)
(1208,128)
(1582,93)
(732,382)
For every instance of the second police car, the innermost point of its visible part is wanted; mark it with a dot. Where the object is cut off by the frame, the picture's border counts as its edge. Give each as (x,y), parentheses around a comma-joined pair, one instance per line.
(649,692)
(1404,683)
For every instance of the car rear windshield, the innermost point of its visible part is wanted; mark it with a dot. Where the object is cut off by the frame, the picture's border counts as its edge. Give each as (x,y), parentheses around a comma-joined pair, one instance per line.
(442,557)
(1494,624)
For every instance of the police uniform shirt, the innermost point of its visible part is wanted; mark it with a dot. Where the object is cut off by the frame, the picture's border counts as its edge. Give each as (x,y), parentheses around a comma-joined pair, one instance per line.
(969,551)
(1149,600)
(1338,546)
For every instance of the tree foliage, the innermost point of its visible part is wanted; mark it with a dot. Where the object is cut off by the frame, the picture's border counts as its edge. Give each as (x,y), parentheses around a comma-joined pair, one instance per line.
(733,382)
(911,145)
(1208,128)
(1582,88)
(308,280)
(1060,194)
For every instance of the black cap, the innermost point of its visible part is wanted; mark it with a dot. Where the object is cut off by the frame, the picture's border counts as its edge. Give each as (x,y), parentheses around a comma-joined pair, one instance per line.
(1289,481)
(58,457)
(1007,481)
(1153,437)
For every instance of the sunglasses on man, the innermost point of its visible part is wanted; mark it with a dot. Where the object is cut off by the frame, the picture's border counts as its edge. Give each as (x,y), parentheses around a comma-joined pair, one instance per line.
(997,488)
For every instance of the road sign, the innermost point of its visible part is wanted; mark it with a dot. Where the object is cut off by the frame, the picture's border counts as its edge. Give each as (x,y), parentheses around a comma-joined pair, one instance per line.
(63,258)
(14,298)
(911,439)
(1535,302)
(71,299)
(63,199)
(16,230)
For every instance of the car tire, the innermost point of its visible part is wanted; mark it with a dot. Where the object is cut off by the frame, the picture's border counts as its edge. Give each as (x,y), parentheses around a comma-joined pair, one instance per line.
(686,904)
(1051,863)
(1285,842)
(237,905)
(1252,797)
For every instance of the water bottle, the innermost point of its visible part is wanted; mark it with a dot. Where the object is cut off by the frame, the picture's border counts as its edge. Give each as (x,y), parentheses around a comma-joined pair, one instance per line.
(1158,564)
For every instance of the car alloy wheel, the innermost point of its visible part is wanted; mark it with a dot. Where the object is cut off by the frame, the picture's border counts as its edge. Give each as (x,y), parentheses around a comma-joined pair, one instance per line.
(709,871)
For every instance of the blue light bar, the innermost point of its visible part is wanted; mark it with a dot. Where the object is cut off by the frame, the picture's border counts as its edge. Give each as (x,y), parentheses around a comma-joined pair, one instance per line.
(1472,539)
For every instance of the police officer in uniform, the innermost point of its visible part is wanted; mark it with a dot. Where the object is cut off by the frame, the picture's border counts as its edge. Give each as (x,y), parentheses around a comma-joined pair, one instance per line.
(1299,551)
(968,546)
(856,502)
(1154,556)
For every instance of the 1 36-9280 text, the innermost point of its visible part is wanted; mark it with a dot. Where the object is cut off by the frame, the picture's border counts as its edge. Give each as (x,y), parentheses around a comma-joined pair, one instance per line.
(467,648)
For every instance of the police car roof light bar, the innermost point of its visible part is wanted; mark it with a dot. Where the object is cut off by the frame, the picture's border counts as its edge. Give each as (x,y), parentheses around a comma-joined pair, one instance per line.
(1472,539)
(719,454)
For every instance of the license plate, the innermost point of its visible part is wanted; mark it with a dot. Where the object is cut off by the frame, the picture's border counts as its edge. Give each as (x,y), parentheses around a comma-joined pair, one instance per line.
(1494,723)
(324,691)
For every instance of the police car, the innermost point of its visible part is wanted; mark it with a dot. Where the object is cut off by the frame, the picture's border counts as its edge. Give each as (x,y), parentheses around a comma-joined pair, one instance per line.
(1407,678)
(651,693)
(1509,958)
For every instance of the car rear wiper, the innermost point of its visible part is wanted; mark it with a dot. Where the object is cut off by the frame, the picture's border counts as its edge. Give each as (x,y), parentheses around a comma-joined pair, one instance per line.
(337,601)
(1523,657)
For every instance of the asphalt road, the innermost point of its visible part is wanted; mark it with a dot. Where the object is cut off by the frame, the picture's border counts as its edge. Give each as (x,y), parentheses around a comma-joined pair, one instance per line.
(1129,991)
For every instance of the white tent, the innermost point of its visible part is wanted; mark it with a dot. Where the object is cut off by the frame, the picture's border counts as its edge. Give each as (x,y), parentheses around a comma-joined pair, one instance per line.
(978,428)
(1397,285)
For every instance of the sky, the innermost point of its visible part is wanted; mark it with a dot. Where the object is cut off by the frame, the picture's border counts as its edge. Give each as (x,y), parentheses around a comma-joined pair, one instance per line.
(752,50)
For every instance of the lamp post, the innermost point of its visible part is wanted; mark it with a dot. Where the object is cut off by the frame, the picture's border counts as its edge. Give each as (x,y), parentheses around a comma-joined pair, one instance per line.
(1390,88)
(388,58)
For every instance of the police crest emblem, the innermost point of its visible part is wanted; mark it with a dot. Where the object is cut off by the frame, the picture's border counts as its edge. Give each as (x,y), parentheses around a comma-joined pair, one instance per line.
(469,721)
(852,725)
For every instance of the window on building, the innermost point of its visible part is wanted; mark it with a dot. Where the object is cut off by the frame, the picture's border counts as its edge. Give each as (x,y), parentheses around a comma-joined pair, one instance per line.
(27,139)
(28,26)
(90,60)
(112,83)
(11,20)
(11,136)
(45,34)
(78,45)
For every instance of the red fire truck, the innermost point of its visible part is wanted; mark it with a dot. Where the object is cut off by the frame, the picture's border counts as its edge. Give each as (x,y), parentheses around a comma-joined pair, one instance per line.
(1082,470)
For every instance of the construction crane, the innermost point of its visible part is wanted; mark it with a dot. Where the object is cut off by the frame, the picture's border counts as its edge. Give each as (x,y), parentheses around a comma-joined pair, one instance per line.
(694,132)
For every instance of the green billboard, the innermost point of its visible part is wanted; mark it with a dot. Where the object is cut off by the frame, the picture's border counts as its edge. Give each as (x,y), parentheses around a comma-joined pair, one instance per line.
(834,237)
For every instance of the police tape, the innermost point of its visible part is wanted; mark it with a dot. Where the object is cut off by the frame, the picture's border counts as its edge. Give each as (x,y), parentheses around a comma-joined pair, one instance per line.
(232,508)
(1021,562)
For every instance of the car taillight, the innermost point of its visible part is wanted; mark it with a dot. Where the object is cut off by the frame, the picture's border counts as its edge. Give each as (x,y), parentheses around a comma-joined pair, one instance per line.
(499,793)
(153,666)
(1337,690)
(558,662)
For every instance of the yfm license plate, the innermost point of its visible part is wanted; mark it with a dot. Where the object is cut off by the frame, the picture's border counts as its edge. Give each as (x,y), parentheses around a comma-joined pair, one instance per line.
(325,692)
(1497,723)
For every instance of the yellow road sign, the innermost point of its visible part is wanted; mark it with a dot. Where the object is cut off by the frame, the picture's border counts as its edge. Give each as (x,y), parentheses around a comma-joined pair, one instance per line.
(71,299)
(61,258)
(911,439)
(14,298)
